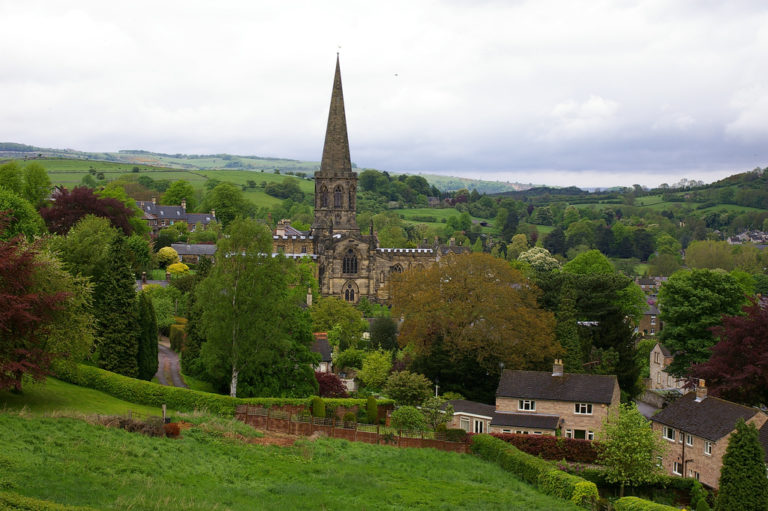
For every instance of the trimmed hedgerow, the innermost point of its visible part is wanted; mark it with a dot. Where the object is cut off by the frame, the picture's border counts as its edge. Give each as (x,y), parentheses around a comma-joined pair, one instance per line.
(638,504)
(536,471)
(176,337)
(181,399)
(552,447)
(12,501)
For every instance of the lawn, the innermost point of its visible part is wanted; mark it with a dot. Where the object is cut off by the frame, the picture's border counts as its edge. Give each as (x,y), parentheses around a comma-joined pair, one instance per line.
(56,396)
(76,463)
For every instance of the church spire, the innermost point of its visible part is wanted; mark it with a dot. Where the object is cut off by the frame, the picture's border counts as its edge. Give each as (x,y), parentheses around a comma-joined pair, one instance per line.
(336,149)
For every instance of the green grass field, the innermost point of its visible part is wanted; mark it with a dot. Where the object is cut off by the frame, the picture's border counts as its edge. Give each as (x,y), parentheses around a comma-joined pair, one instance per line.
(57,396)
(72,462)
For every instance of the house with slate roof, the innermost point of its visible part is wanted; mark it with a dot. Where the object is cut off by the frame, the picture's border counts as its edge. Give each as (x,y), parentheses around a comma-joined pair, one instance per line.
(659,378)
(322,348)
(159,217)
(192,252)
(540,403)
(697,428)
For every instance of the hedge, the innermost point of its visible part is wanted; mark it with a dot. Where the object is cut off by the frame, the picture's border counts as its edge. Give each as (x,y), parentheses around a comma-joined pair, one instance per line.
(536,471)
(181,399)
(553,448)
(638,504)
(176,337)
(12,501)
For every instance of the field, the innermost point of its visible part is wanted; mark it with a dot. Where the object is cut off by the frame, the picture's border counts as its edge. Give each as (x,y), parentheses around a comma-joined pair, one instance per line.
(58,396)
(439,214)
(72,462)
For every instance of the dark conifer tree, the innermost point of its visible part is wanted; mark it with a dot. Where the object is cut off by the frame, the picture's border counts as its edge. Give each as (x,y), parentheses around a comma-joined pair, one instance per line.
(147,354)
(117,328)
(743,484)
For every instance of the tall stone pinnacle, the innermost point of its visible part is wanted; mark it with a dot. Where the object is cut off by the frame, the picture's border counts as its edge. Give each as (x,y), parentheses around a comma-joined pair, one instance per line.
(336,149)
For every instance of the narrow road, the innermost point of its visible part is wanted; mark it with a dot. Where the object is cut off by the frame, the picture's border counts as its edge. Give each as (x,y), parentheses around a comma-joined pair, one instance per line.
(168,367)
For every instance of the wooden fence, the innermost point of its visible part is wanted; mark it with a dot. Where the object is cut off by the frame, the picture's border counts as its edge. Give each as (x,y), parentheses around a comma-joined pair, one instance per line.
(303,425)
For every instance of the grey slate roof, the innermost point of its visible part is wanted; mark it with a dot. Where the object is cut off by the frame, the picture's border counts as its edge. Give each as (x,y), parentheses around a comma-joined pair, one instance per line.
(586,388)
(174,213)
(472,407)
(711,418)
(194,249)
(525,420)
(664,350)
(321,346)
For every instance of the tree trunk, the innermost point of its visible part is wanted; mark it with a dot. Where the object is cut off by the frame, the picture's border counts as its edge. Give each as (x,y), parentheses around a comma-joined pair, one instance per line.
(233,385)
(621,490)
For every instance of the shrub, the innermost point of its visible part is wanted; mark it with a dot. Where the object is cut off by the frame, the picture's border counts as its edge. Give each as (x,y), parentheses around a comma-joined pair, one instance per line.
(638,504)
(408,388)
(14,501)
(535,471)
(172,430)
(455,435)
(178,269)
(408,418)
(553,448)
(330,385)
(177,337)
(350,417)
(372,410)
(318,407)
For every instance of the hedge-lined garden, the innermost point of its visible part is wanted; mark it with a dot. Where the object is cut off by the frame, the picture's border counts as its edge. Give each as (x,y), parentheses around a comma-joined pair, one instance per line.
(184,400)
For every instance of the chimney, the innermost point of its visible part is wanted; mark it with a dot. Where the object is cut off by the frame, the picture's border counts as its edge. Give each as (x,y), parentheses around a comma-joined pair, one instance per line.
(280,228)
(154,200)
(701,391)
(184,205)
(213,213)
(557,367)
(309,297)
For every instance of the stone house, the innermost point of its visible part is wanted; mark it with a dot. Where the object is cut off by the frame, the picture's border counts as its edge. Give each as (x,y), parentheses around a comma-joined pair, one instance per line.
(159,217)
(650,323)
(192,252)
(660,379)
(540,403)
(697,429)
(321,346)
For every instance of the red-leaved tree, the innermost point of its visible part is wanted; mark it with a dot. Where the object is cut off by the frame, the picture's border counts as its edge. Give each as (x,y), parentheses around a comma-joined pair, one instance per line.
(68,208)
(330,385)
(738,368)
(24,312)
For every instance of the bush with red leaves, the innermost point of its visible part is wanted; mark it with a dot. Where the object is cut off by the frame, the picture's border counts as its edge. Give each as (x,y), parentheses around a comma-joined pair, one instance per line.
(69,207)
(552,447)
(330,385)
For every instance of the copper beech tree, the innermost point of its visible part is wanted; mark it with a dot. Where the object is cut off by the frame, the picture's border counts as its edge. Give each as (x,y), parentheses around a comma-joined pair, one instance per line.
(474,306)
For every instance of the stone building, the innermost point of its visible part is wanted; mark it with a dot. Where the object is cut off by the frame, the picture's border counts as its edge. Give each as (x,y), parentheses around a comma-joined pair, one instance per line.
(350,263)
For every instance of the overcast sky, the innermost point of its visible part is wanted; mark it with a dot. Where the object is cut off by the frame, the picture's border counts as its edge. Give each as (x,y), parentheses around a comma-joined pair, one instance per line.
(586,93)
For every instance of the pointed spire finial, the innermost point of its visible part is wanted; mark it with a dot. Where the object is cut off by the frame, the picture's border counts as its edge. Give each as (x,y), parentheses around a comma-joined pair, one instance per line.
(336,149)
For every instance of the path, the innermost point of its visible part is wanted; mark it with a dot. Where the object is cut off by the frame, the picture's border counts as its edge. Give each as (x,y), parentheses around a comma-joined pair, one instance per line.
(168,367)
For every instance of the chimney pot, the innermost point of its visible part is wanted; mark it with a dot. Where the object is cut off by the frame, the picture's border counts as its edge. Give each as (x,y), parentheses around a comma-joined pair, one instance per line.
(557,367)
(701,390)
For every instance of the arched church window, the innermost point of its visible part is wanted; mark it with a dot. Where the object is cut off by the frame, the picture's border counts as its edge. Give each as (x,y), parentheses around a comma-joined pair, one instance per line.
(349,293)
(396,268)
(337,195)
(349,264)
(324,197)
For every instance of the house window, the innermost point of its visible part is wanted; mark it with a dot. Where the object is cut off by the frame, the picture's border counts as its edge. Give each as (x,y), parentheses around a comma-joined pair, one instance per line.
(693,474)
(668,433)
(337,194)
(656,357)
(708,448)
(568,433)
(583,434)
(303,250)
(464,423)
(526,404)
(506,431)
(521,432)
(677,468)
(537,432)
(659,461)
(653,331)
(658,378)
(349,264)
(689,440)
(479,426)
(583,408)
(653,320)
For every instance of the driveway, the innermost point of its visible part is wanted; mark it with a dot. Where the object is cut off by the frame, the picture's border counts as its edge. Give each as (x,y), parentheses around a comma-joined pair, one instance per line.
(168,369)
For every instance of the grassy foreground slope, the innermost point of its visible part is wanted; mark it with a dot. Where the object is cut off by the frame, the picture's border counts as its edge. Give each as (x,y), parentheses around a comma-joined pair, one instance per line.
(76,463)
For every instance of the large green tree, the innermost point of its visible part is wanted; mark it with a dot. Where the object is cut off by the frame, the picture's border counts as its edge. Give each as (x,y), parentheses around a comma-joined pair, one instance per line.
(117,326)
(84,250)
(691,303)
(178,191)
(229,202)
(22,217)
(340,319)
(743,484)
(147,352)
(37,185)
(256,333)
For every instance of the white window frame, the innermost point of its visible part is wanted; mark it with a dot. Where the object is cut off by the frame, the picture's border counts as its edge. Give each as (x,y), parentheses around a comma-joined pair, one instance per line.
(689,440)
(465,421)
(590,435)
(707,448)
(669,434)
(478,426)
(506,431)
(677,468)
(582,408)
(528,405)
(537,433)
(568,433)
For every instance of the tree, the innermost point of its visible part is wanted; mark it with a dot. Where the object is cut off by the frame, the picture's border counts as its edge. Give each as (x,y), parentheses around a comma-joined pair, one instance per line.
(664,265)
(589,263)
(167,256)
(21,216)
(178,191)
(738,367)
(554,242)
(408,388)
(37,184)
(147,353)
(384,333)
(709,254)
(256,333)
(436,411)
(228,202)
(629,448)
(84,250)
(10,177)
(473,307)
(330,385)
(117,190)
(24,313)
(117,326)
(691,303)
(178,269)
(743,484)
(346,322)
(69,207)
(539,259)
(408,418)
(376,366)
(517,246)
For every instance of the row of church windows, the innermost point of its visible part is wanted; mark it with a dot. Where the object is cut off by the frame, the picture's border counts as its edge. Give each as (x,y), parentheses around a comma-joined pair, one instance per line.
(338,194)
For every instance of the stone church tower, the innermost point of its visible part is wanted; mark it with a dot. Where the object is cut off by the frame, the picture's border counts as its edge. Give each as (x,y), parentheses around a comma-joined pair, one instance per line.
(350,264)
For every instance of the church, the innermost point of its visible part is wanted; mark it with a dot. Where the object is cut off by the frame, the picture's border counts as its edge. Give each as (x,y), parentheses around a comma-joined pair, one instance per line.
(350,264)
